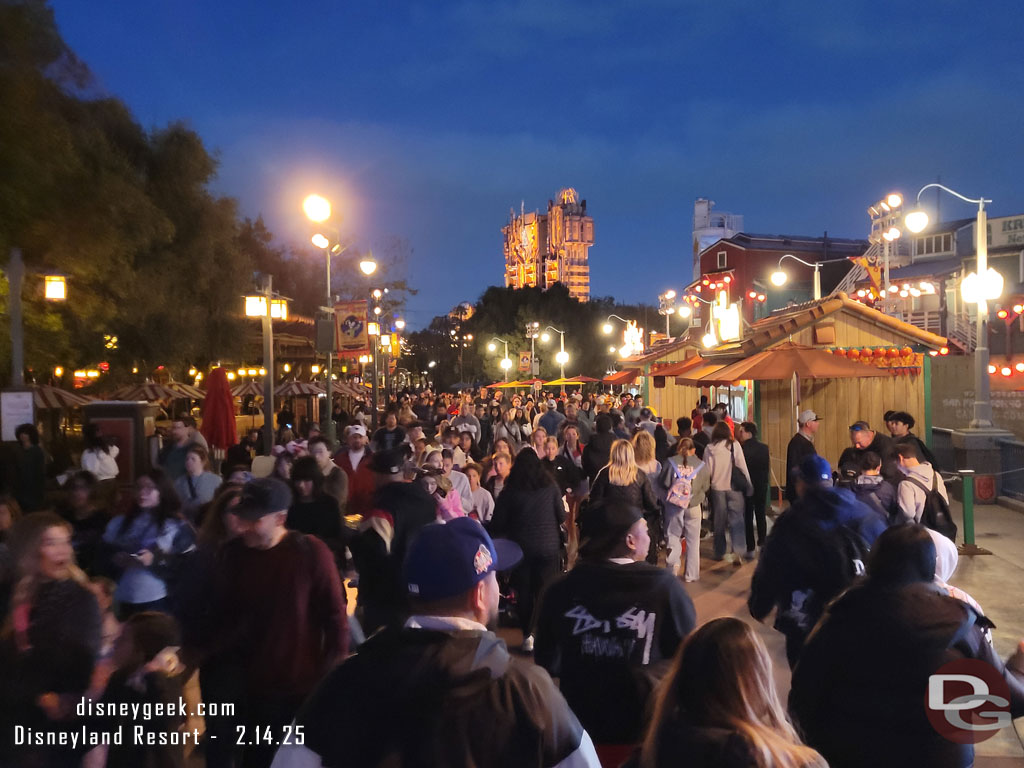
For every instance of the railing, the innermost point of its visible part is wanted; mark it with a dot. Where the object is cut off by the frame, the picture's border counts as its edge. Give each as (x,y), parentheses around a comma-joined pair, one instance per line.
(1011,458)
(856,274)
(926,320)
(942,447)
(961,329)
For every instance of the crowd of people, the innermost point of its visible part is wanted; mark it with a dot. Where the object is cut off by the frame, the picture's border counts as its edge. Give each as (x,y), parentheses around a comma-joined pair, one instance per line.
(578,518)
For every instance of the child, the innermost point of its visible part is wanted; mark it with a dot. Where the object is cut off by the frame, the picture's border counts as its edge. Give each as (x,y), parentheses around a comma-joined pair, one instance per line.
(483,502)
(147,673)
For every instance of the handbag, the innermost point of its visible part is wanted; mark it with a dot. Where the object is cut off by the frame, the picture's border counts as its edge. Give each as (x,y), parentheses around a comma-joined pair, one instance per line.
(738,481)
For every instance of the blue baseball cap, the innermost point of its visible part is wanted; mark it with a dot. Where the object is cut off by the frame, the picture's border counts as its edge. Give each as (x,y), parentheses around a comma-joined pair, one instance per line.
(448,559)
(814,469)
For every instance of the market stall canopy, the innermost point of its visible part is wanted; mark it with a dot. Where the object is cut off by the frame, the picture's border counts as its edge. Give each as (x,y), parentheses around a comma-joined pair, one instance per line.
(530,382)
(677,369)
(300,389)
(622,377)
(194,393)
(149,392)
(247,388)
(344,388)
(787,359)
(509,385)
(702,375)
(54,398)
(582,380)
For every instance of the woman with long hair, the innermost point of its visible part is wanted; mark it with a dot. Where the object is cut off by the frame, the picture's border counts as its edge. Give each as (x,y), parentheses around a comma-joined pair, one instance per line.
(646,461)
(530,512)
(99,456)
(621,480)
(729,490)
(685,482)
(146,541)
(718,707)
(508,429)
(50,637)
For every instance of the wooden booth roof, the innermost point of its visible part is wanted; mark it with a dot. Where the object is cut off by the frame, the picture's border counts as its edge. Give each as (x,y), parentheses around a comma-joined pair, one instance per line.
(782,324)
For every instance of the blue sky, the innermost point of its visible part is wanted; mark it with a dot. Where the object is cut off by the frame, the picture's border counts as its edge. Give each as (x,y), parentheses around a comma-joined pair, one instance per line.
(429,121)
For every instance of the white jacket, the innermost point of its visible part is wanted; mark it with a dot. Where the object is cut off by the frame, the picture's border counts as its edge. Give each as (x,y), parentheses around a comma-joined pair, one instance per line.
(911,498)
(100,463)
(716,456)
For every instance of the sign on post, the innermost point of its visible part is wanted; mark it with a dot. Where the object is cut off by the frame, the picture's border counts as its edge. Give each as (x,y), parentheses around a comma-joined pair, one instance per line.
(351,329)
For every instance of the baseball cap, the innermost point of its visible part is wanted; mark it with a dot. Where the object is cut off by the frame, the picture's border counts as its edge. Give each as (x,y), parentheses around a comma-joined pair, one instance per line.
(815,469)
(357,428)
(806,416)
(263,496)
(606,521)
(448,559)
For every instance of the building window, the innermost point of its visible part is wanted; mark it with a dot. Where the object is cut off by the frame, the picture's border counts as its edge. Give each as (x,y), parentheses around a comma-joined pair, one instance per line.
(722,258)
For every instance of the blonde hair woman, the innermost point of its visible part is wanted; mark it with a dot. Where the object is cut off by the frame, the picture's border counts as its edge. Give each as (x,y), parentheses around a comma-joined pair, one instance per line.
(718,706)
(622,481)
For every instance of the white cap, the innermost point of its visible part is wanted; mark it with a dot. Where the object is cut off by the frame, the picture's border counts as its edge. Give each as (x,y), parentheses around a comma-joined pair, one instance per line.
(358,429)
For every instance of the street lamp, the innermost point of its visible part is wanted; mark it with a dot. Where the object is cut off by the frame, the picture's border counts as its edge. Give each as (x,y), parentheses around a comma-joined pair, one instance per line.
(562,357)
(316,208)
(506,363)
(368,266)
(54,289)
(607,328)
(977,288)
(262,306)
(667,307)
(779,277)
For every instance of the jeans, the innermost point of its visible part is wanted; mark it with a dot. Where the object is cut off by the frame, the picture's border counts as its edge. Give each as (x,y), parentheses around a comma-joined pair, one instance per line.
(683,532)
(728,507)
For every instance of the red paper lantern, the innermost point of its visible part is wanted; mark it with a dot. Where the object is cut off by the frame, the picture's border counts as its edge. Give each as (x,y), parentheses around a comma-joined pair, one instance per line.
(853,354)
(879,352)
(907,351)
(828,350)
(893,353)
(841,352)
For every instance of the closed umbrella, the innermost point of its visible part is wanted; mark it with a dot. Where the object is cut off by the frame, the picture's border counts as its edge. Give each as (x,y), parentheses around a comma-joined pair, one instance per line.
(219,413)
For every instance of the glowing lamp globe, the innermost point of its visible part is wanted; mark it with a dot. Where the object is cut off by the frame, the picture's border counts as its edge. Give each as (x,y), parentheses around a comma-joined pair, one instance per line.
(916,221)
(778,278)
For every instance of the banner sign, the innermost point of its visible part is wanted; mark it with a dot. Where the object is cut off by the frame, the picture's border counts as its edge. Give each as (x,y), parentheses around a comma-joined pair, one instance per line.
(524,361)
(350,332)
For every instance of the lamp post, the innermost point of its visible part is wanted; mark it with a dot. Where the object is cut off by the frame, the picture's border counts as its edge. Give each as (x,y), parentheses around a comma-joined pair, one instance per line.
(667,307)
(977,288)
(779,277)
(562,357)
(506,363)
(532,332)
(55,289)
(263,306)
(318,209)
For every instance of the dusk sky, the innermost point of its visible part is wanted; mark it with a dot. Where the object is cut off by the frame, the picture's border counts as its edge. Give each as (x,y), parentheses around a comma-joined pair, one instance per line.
(429,121)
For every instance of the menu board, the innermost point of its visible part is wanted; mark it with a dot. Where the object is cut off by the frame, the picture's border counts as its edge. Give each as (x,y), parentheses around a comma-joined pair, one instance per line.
(16,408)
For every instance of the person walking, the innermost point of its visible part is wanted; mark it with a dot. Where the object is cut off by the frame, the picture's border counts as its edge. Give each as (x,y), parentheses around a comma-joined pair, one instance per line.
(636,613)
(686,481)
(597,452)
(530,512)
(198,485)
(621,480)
(730,484)
(755,453)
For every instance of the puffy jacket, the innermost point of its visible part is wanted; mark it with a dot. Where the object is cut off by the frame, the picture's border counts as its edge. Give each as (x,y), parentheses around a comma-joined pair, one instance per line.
(637,494)
(532,519)
(437,698)
(877,493)
(596,453)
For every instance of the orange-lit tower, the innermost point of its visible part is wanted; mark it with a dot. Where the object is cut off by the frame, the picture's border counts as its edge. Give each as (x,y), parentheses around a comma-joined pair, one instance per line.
(544,249)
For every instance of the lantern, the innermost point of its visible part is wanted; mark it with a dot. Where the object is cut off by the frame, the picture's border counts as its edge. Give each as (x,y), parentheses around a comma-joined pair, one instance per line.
(879,353)
(828,350)
(907,351)
(893,353)
(853,354)
(841,352)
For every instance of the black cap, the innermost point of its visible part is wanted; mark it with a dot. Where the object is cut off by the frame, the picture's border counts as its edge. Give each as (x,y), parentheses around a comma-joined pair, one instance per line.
(263,496)
(607,521)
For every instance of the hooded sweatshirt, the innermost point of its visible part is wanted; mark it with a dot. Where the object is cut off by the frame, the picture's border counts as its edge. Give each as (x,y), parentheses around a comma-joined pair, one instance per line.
(438,692)
(911,498)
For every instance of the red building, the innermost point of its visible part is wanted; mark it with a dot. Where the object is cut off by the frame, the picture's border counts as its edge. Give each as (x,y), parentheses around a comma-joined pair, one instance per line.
(742,265)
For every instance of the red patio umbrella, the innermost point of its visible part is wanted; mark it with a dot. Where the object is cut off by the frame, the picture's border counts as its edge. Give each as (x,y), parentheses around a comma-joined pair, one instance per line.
(219,412)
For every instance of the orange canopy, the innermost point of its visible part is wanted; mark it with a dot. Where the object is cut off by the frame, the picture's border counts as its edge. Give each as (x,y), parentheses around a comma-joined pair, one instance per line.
(785,360)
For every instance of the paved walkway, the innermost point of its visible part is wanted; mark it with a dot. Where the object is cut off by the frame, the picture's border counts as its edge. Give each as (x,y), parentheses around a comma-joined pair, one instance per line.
(995,581)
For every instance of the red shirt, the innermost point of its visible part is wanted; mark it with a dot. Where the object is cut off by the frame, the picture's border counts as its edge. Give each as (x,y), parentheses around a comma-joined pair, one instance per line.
(361,483)
(284,608)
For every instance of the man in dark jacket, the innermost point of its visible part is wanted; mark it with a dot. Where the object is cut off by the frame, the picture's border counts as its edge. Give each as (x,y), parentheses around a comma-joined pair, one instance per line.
(703,437)
(859,692)
(398,512)
(609,628)
(899,424)
(759,466)
(801,445)
(442,690)
(809,558)
(865,439)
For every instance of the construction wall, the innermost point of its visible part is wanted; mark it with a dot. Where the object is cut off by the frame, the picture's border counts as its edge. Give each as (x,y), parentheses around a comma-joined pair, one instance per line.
(953,396)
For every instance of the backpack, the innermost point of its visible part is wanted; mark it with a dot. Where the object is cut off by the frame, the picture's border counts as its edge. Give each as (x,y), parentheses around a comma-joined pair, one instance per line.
(935,514)
(681,490)
(853,548)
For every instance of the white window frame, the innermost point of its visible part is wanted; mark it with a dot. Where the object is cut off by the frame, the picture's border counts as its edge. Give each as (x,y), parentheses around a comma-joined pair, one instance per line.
(723,259)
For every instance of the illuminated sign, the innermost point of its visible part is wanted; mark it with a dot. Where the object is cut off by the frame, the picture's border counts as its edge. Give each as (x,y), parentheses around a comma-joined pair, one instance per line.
(726,318)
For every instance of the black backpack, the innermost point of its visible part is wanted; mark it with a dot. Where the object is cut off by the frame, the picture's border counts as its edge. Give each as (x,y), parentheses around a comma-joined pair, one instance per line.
(853,549)
(936,509)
